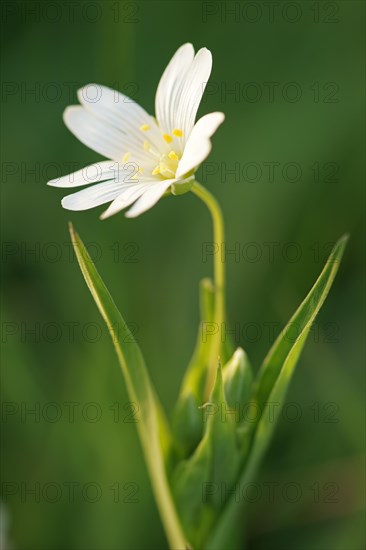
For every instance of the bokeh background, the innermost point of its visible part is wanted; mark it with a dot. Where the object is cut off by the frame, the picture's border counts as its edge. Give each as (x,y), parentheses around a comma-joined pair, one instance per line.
(290,79)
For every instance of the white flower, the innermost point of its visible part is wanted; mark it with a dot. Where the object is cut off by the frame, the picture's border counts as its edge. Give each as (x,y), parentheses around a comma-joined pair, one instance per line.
(147,156)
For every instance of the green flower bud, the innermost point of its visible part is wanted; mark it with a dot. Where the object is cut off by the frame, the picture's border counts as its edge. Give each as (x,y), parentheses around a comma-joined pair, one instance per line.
(187,424)
(238,378)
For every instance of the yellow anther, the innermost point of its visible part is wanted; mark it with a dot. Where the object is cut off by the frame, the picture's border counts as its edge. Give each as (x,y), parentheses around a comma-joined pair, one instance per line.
(167,138)
(146,146)
(144,127)
(173,155)
(126,157)
(156,171)
(176,132)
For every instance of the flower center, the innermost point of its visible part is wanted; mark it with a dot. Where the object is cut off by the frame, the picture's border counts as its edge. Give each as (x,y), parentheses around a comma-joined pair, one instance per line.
(167,163)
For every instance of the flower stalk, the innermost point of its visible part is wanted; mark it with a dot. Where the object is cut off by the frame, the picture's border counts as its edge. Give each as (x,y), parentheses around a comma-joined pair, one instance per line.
(219,279)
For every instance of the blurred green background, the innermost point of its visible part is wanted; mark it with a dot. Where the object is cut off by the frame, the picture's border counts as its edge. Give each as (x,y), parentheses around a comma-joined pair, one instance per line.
(77,451)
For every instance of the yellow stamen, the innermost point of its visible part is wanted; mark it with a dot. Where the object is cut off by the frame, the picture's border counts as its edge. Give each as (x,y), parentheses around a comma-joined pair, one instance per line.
(126,157)
(156,171)
(144,127)
(176,132)
(167,138)
(146,145)
(173,155)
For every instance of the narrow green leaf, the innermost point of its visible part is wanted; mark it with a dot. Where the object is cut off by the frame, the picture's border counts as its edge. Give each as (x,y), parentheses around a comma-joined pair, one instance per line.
(187,420)
(221,434)
(277,369)
(292,338)
(187,482)
(194,379)
(270,387)
(201,482)
(152,427)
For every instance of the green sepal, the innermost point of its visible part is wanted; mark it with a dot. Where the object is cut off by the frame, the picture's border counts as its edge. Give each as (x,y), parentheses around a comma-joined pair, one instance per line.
(183,186)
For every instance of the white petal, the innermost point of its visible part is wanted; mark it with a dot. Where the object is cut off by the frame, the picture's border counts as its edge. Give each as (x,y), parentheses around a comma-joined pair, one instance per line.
(199,145)
(104,102)
(95,133)
(192,91)
(120,112)
(92,196)
(101,136)
(149,198)
(124,199)
(171,85)
(99,171)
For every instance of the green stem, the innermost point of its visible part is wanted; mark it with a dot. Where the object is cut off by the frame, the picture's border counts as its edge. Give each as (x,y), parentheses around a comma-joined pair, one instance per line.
(219,279)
